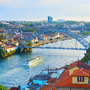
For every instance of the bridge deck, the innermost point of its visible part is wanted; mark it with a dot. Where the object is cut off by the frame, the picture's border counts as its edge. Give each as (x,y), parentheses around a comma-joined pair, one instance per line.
(58,48)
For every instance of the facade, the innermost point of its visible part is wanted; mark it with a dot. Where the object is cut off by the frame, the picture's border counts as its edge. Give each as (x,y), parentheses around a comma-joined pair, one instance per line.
(50,19)
(75,77)
(9,48)
(35,40)
(42,37)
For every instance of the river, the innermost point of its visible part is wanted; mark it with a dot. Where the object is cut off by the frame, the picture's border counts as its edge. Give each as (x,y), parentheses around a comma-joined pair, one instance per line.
(12,73)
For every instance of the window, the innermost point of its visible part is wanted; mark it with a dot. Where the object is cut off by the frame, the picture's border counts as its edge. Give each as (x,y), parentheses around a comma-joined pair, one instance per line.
(80,78)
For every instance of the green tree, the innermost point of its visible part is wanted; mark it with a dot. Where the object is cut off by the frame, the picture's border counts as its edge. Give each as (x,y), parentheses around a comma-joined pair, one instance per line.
(3,88)
(30,43)
(3,25)
(27,24)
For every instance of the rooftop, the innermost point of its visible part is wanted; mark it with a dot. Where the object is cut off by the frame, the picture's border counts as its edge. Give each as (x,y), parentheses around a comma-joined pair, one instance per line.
(41,77)
(79,64)
(81,72)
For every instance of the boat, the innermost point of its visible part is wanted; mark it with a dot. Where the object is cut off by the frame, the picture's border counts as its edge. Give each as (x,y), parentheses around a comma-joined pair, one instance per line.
(33,61)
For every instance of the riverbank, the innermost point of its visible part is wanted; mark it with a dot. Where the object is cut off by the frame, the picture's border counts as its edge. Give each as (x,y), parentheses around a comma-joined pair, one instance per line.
(4,54)
(50,41)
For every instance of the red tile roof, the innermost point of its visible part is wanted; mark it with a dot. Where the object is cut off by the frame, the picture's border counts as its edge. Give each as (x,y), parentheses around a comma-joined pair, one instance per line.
(13,88)
(61,68)
(47,87)
(66,80)
(68,83)
(64,75)
(81,72)
(79,64)
(50,86)
(52,80)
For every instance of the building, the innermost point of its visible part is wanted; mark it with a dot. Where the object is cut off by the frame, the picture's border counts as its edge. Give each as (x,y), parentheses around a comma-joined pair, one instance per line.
(61,20)
(50,19)
(9,48)
(50,84)
(42,37)
(75,77)
(14,88)
(40,79)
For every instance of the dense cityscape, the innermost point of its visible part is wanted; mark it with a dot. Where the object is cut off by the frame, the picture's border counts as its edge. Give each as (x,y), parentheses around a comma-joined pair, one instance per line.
(20,37)
(16,33)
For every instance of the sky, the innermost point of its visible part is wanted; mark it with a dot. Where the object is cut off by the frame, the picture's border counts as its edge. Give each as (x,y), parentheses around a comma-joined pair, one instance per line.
(37,10)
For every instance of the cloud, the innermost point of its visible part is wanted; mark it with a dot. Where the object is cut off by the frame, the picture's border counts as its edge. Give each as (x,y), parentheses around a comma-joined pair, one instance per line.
(43,8)
(49,3)
(12,3)
(78,18)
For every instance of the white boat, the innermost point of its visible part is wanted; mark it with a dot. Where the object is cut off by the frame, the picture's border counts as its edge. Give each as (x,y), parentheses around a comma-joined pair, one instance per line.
(33,61)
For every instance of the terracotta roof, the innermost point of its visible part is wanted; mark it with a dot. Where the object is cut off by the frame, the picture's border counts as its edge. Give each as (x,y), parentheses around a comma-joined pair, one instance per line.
(7,48)
(52,80)
(81,72)
(61,68)
(79,85)
(64,82)
(13,88)
(64,75)
(67,81)
(47,87)
(79,64)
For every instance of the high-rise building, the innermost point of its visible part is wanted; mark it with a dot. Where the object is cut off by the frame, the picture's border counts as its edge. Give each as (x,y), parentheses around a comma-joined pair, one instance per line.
(50,19)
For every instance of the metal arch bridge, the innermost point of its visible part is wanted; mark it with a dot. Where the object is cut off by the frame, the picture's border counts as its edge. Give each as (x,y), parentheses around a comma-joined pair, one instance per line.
(65,31)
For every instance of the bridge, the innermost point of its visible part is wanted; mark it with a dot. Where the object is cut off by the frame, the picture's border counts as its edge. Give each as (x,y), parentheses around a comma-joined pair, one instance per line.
(79,38)
(42,30)
(66,48)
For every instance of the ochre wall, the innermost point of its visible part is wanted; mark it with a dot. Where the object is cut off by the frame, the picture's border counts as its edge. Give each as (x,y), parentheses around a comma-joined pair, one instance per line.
(74,80)
(71,70)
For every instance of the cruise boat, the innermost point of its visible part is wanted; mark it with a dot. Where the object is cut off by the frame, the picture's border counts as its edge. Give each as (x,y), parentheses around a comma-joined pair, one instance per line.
(33,61)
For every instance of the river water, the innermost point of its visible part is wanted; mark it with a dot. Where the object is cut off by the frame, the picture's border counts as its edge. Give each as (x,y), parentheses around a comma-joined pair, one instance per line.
(12,73)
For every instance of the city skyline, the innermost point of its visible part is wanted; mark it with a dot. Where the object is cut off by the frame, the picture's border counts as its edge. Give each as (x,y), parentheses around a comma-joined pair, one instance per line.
(38,10)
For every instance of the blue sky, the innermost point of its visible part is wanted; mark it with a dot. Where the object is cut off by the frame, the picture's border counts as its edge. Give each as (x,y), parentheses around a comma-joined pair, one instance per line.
(36,10)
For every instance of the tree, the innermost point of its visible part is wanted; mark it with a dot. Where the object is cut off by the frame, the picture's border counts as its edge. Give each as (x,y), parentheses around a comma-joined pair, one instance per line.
(30,43)
(3,88)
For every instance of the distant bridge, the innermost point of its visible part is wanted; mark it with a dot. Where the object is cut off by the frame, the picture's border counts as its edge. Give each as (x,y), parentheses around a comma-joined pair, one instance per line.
(65,31)
(42,30)
(66,48)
